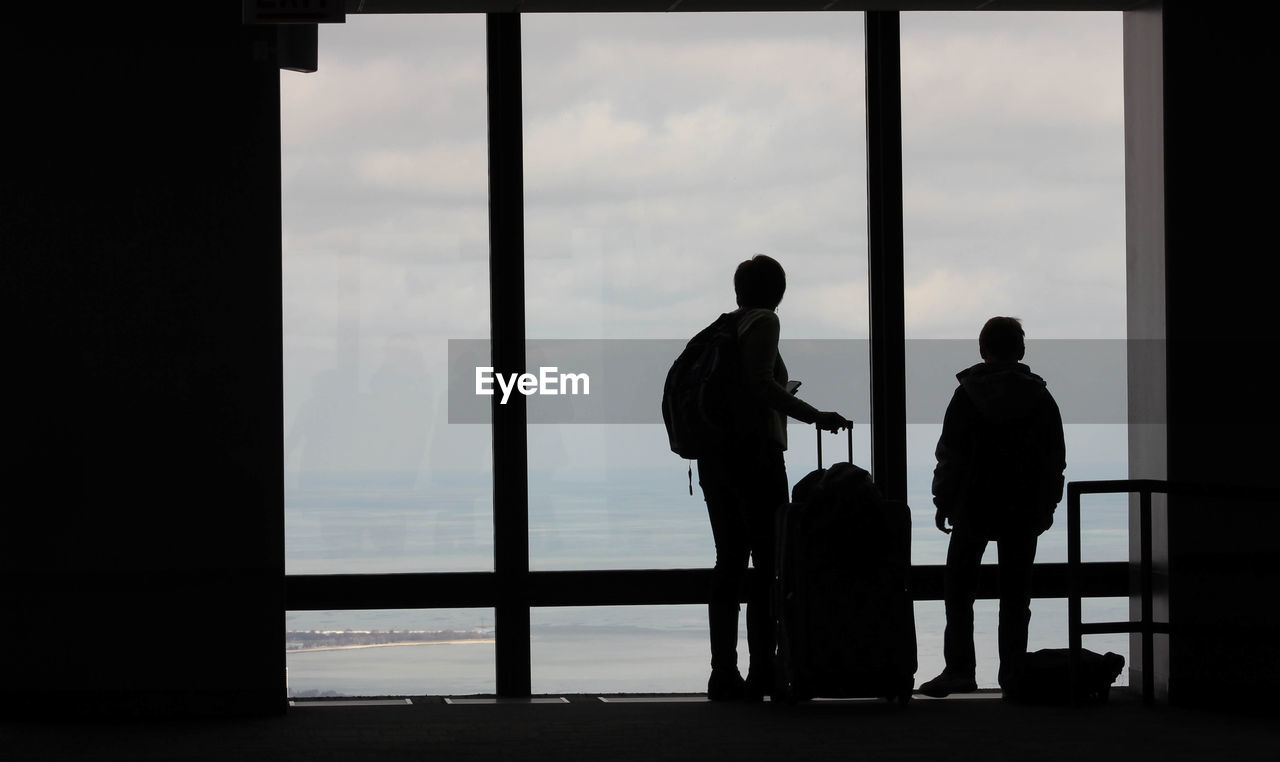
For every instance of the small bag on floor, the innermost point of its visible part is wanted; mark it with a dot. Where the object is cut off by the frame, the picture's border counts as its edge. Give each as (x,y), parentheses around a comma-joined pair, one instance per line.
(1044,677)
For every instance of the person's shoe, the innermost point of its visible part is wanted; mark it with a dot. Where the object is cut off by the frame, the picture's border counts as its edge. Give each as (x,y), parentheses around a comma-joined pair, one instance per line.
(948,683)
(757,687)
(726,685)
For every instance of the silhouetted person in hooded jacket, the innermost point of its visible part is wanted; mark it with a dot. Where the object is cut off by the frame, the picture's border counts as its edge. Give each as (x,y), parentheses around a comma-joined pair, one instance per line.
(1001,457)
(745,482)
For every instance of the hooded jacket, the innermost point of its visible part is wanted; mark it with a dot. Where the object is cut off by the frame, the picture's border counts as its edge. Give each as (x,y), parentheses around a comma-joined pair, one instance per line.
(1001,455)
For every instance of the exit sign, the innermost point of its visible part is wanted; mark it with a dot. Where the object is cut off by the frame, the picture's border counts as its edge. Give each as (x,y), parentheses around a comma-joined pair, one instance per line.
(295,11)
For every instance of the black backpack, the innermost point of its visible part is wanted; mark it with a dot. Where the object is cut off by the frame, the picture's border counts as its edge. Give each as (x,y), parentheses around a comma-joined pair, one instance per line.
(702,393)
(1044,677)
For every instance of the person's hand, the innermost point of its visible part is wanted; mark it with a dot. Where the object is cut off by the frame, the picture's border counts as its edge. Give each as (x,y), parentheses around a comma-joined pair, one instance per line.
(940,519)
(833,422)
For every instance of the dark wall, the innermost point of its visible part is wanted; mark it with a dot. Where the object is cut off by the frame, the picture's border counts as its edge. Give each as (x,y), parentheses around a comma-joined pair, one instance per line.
(141,559)
(1224,556)
(1200,246)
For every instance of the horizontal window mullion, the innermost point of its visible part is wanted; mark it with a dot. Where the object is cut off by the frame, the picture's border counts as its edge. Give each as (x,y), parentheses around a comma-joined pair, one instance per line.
(629,587)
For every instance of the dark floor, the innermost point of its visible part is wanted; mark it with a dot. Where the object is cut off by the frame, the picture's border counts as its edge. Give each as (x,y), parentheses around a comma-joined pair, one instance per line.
(957,728)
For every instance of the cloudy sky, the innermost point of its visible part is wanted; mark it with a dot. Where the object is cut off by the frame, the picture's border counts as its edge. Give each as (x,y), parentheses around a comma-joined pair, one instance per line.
(660,150)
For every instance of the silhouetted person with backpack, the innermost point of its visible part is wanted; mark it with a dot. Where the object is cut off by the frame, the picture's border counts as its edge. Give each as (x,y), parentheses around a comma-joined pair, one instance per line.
(1001,457)
(744,481)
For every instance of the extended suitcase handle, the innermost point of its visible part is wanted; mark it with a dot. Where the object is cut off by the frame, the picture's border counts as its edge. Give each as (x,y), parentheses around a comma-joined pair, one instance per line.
(848,432)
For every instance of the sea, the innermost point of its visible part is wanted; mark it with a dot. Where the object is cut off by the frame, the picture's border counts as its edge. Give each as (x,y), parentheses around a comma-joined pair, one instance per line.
(614,518)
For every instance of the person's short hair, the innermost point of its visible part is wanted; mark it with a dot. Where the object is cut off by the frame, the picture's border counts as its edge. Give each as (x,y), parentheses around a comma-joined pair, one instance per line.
(759,282)
(1002,339)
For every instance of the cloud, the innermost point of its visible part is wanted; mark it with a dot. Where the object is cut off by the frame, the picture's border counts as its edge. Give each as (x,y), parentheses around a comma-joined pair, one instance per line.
(395,80)
(938,303)
(1014,171)
(1058,70)
(441,171)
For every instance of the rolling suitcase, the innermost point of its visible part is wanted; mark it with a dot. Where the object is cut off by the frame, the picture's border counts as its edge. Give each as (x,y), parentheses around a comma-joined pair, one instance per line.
(845,621)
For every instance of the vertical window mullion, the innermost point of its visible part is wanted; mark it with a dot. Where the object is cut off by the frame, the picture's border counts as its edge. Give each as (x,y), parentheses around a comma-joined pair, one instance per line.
(507,326)
(885,278)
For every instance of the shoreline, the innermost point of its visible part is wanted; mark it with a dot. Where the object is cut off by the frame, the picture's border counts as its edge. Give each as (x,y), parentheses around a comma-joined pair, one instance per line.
(457,642)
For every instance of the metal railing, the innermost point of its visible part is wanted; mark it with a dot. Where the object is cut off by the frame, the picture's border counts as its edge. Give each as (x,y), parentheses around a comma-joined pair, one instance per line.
(1145,624)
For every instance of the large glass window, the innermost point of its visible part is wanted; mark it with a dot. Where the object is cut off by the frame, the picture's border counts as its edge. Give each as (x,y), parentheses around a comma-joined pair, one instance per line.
(660,151)
(1013,157)
(385,260)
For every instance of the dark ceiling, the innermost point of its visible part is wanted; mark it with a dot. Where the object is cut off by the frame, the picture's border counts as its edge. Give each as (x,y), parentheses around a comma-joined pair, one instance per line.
(662,6)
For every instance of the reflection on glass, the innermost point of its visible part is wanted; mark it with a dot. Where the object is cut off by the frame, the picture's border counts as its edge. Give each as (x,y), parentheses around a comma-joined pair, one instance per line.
(660,151)
(442,652)
(385,260)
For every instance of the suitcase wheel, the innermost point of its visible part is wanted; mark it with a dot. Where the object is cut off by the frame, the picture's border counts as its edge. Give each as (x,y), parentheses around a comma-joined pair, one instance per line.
(785,693)
(904,697)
